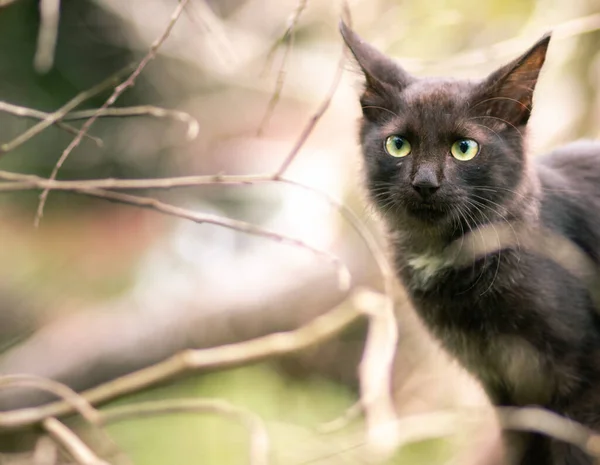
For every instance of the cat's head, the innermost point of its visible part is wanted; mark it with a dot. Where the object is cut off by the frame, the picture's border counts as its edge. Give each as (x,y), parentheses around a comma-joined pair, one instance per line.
(442,151)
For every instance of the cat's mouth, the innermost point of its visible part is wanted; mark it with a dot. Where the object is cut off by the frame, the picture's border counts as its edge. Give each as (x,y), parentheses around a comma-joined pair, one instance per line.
(427,211)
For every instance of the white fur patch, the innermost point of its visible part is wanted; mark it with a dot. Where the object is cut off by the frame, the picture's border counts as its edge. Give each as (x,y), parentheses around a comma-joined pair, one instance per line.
(427,266)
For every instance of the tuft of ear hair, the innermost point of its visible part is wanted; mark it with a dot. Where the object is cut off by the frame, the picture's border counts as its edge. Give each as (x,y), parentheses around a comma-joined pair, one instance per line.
(507,93)
(383,76)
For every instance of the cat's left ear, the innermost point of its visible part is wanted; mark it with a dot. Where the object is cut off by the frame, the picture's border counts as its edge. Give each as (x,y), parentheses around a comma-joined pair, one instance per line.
(508,92)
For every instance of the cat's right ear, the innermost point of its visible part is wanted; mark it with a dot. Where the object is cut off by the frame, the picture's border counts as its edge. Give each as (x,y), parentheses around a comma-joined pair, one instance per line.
(507,94)
(383,76)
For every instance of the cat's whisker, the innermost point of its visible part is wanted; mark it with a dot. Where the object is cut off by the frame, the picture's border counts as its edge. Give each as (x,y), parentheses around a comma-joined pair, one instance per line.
(500,215)
(459,220)
(491,223)
(526,107)
(483,243)
(380,108)
(498,118)
(544,189)
(489,129)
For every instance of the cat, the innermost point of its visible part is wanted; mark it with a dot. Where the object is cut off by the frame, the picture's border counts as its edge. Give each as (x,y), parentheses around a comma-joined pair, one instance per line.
(444,160)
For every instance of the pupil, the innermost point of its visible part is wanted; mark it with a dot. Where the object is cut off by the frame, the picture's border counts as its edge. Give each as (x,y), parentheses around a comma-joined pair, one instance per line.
(464,146)
(398,142)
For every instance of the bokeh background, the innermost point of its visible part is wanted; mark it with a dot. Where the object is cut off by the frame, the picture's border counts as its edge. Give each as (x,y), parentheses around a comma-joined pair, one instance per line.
(100,289)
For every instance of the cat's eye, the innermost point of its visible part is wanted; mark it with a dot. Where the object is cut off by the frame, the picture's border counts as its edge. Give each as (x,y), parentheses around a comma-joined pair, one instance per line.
(464,149)
(397,146)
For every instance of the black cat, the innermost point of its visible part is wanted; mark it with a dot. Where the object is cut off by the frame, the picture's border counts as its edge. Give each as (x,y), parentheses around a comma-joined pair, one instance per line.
(445,160)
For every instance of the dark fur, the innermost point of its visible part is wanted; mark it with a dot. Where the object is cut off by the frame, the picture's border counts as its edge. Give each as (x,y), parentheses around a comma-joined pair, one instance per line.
(519,322)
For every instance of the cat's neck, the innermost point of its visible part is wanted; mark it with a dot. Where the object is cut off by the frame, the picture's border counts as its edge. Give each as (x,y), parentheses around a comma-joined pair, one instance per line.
(429,246)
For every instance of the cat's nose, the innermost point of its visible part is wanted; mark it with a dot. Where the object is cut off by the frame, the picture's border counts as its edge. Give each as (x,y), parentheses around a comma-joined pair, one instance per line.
(425,183)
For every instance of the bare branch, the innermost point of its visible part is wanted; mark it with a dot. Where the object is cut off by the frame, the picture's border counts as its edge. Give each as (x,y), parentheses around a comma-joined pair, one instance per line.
(551,424)
(445,423)
(320,329)
(259,437)
(506,48)
(52,118)
(49,17)
(344,278)
(129,82)
(70,441)
(68,395)
(376,366)
(315,118)
(339,423)
(37,114)
(45,452)
(77,402)
(26,182)
(149,110)
(288,39)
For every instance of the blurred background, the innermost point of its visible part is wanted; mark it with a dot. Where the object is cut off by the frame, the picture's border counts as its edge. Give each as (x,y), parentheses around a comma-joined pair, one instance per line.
(101,289)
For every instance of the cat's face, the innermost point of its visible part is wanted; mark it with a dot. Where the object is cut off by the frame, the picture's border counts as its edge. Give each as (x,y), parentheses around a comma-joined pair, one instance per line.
(443,152)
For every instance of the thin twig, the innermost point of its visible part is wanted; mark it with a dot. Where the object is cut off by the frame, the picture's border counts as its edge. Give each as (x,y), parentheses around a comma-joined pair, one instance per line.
(26,181)
(342,421)
(52,118)
(141,110)
(343,274)
(288,39)
(77,402)
(47,35)
(500,50)
(376,365)
(315,118)
(71,442)
(319,329)
(551,424)
(45,451)
(344,278)
(259,437)
(444,423)
(40,115)
(129,82)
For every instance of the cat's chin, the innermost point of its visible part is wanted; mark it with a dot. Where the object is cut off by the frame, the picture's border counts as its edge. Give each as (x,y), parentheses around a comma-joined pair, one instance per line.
(427,213)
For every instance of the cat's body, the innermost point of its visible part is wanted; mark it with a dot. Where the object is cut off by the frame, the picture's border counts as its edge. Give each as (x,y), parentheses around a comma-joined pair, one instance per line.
(517,320)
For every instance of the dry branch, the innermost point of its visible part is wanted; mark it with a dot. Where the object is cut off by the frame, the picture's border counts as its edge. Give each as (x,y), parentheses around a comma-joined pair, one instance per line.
(315,118)
(31,181)
(68,395)
(48,33)
(45,452)
(129,82)
(259,437)
(82,454)
(192,123)
(40,115)
(56,116)
(141,110)
(320,329)
(288,40)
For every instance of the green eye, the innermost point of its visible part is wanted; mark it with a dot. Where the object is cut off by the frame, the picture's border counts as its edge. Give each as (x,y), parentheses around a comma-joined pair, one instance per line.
(397,146)
(464,149)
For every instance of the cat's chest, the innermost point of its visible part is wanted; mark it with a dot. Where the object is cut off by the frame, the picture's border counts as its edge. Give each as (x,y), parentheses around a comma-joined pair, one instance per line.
(511,370)
(425,269)
(473,312)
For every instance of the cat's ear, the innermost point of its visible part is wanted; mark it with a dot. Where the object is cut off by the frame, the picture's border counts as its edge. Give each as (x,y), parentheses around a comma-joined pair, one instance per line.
(507,93)
(383,76)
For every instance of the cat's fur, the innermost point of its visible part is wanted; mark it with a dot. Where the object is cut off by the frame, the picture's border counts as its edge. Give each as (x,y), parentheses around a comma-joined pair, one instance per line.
(518,321)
